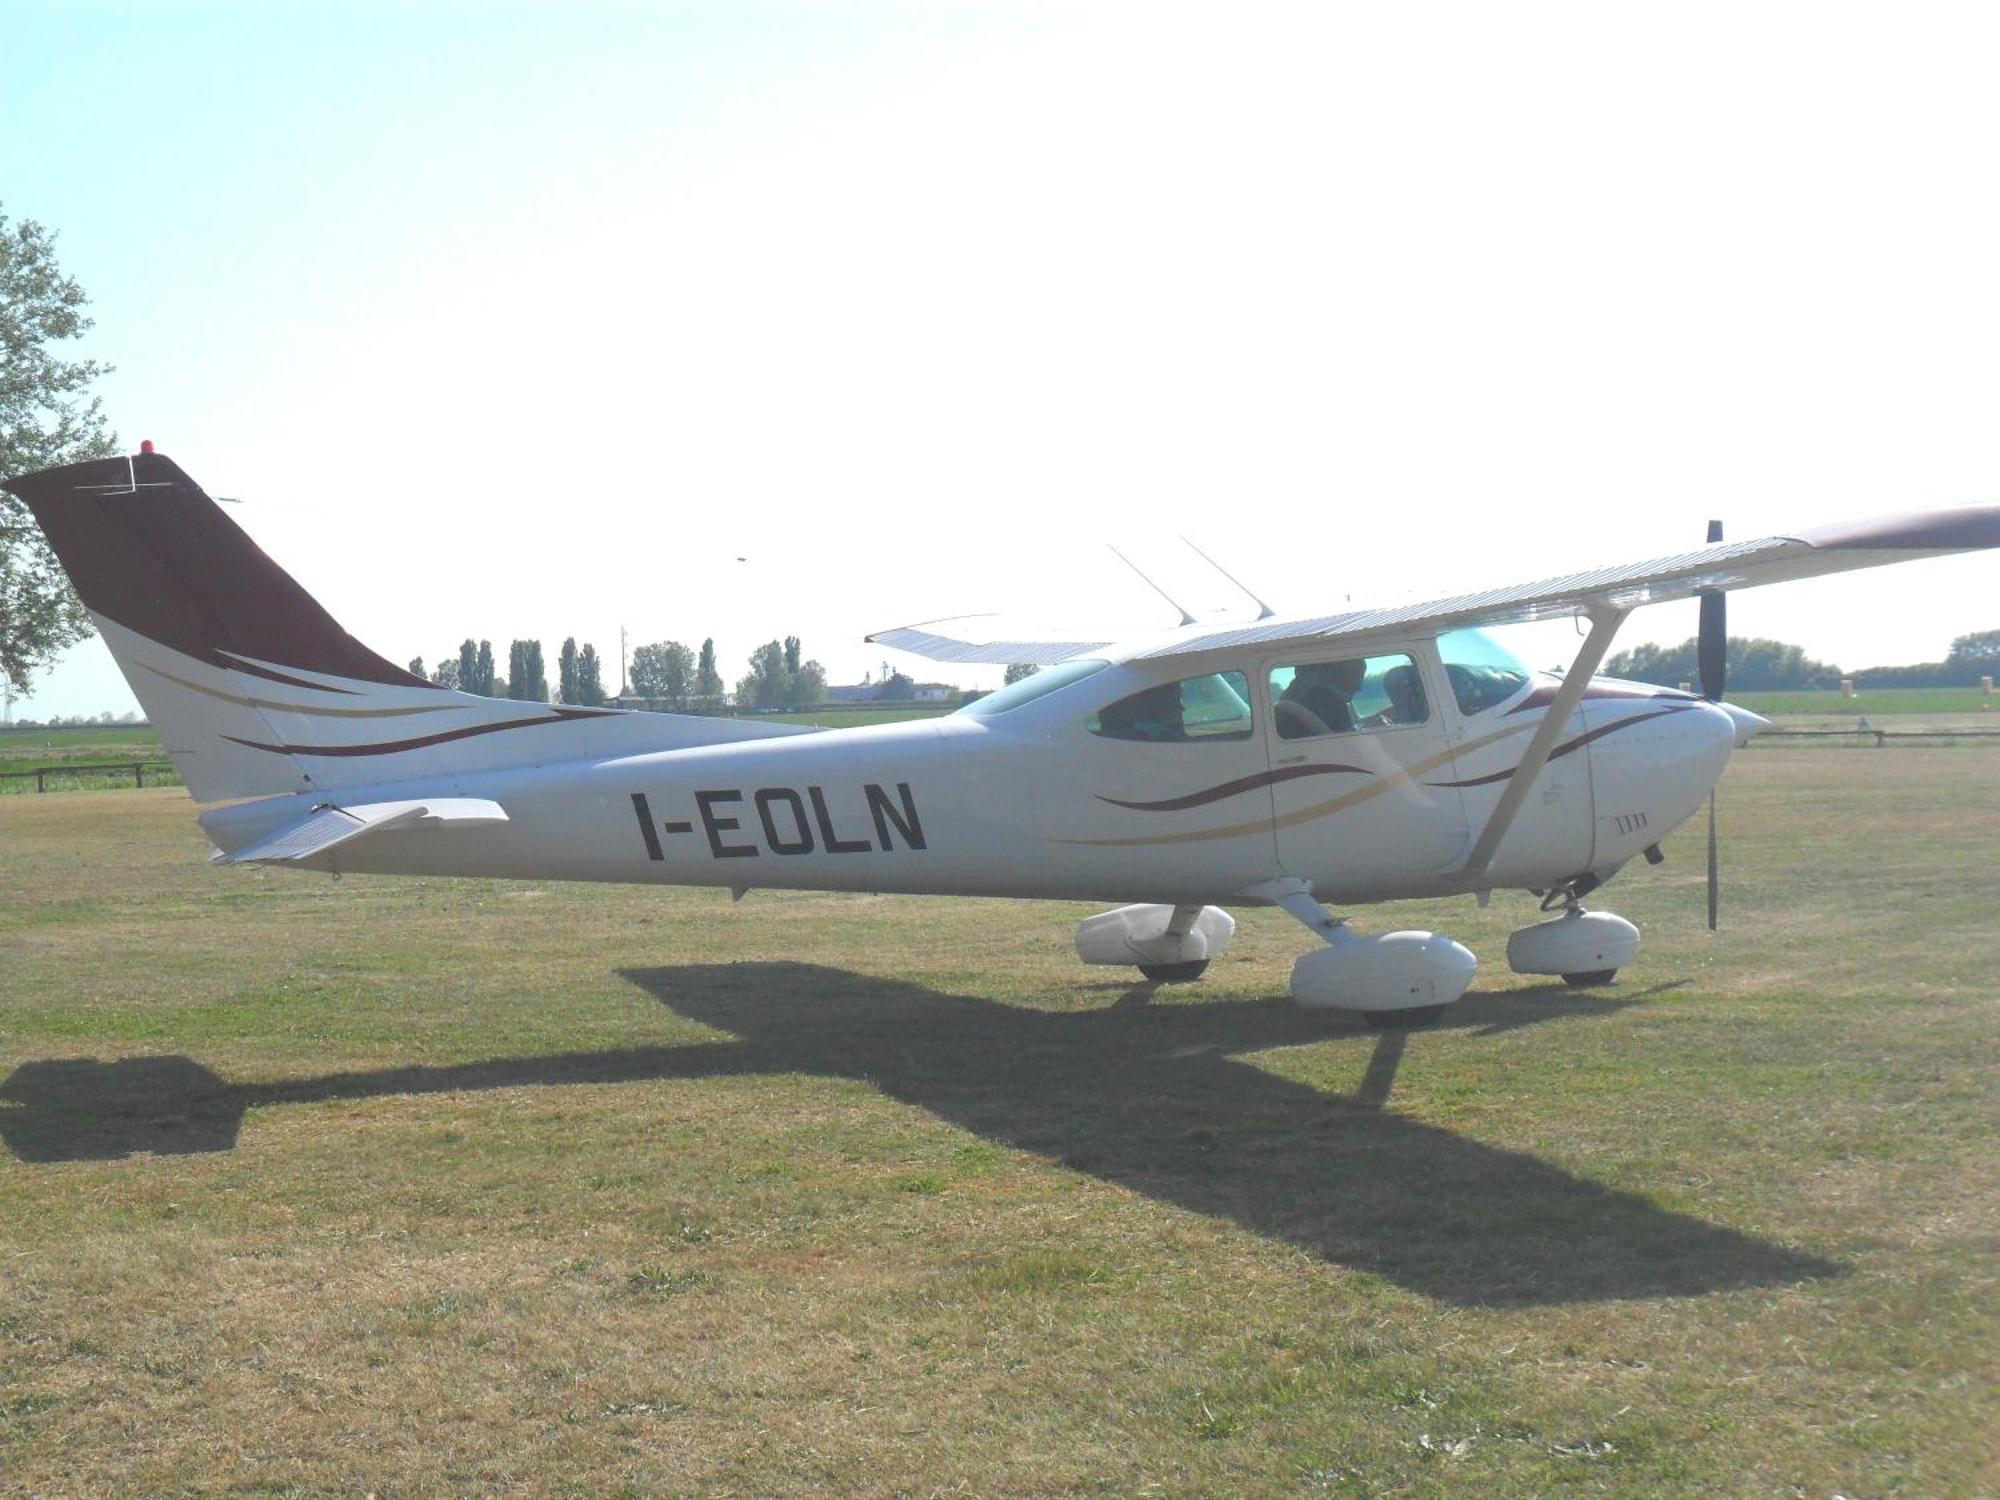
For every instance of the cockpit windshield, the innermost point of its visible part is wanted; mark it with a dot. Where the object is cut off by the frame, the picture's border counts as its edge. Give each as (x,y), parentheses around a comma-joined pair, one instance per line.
(1031,687)
(1482,672)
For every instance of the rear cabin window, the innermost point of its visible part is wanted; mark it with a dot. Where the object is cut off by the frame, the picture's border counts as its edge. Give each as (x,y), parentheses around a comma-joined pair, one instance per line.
(1195,709)
(1482,672)
(1340,697)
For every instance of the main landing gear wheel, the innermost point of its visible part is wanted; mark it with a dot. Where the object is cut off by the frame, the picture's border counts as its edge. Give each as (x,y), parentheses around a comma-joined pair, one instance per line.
(1186,973)
(1590,977)
(1402,1020)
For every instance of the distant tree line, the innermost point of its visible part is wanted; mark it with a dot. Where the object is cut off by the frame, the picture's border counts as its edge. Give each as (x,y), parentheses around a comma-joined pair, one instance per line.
(580,678)
(664,674)
(1766,666)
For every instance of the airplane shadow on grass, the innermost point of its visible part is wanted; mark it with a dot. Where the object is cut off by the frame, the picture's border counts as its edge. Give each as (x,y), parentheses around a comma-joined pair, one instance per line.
(1153,1098)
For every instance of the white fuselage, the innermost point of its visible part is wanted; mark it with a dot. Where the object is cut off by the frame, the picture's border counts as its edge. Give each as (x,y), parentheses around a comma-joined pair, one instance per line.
(1030,803)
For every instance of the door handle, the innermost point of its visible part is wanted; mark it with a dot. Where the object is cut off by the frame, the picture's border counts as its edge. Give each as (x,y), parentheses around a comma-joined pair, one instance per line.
(1290,760)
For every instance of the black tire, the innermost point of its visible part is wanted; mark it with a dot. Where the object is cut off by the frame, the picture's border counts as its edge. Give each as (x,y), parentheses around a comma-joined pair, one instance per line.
(1403,1020)
(1174,973)
(1590,977)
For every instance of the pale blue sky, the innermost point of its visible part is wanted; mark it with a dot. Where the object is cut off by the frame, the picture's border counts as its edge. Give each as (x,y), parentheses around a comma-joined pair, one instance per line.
(522,320)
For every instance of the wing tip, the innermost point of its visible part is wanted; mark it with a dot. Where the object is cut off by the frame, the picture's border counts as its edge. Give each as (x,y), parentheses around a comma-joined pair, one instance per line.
(1964,528)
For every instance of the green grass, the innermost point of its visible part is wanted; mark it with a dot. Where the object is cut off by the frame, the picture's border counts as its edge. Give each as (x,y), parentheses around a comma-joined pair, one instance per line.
(426,1187)
(36,749)
(1869,704)
(17,742)
(829,717)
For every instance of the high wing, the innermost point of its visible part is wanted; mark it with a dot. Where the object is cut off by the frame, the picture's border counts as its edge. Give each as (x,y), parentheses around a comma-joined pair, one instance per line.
(1725,566)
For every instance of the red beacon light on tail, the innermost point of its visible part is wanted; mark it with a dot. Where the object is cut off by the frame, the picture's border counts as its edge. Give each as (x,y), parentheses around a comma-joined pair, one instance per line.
(145,445)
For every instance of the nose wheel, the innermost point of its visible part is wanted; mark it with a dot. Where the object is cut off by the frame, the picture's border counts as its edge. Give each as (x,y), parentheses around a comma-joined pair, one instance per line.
(1186,973)
(1590,978)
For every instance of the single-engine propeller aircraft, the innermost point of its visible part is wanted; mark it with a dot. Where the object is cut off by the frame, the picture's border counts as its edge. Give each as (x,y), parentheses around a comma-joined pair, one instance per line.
(1297,762)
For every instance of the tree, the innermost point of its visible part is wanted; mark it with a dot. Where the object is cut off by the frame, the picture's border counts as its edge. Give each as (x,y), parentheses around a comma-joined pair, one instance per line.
(1981,646)
(805,681)
(707,681)
(768,684)
(1017,671)
(482,671)
(566,671)
(1754,664)
(665,670)
(894,686)
(446,675)
(526,679)
(589,678)
(417,667)
(47,417)
(468,665)
(808,685)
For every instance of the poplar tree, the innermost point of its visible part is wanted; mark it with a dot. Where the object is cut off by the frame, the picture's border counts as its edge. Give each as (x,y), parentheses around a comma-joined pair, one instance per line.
(707,681)
(526,679)
(589,678)
(568,688)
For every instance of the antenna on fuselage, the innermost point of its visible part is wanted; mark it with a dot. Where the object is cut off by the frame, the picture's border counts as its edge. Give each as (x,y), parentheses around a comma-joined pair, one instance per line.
(1264,611)
(1186,618)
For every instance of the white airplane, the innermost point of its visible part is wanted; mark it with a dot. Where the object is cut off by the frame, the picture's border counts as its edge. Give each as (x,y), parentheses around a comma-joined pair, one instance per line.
(1344,759)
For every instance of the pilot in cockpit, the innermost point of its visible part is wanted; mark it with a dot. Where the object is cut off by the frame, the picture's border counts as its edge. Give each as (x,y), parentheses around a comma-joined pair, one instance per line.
(1156,714)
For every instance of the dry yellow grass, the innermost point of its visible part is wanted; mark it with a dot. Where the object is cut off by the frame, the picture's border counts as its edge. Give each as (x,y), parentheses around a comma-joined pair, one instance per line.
(418,1187)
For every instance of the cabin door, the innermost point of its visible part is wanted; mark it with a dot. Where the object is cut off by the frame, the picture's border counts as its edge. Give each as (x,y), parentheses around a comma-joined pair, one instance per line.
(1363,803)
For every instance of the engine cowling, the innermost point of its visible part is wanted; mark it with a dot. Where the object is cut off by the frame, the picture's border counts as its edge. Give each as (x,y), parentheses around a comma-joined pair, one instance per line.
(1391,972)
(1138,935)
(1577,942)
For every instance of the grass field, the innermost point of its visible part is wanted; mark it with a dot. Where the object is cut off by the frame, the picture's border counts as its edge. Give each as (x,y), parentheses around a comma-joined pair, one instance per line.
(34,749)
(1872,704)
(421,1187)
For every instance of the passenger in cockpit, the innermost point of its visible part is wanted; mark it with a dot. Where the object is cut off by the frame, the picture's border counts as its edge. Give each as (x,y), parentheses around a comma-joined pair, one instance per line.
(1320,699)
(1407,704)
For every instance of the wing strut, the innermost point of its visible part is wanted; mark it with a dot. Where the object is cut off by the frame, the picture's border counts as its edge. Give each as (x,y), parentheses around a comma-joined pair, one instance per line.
(1604,622)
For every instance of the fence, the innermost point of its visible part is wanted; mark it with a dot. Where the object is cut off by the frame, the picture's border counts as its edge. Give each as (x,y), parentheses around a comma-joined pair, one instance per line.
(137,769)
(1880,736)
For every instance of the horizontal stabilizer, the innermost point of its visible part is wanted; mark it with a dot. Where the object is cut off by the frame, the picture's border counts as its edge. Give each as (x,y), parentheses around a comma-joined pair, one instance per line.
(328,827)
(919,641)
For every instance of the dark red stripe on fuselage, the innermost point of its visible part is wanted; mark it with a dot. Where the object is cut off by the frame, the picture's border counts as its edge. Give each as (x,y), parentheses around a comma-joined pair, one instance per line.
(1233,788)
(395,747)
(1567,745)
(1545,694)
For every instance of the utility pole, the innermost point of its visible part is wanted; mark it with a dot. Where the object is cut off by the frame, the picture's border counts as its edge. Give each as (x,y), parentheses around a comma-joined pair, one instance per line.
(622,688)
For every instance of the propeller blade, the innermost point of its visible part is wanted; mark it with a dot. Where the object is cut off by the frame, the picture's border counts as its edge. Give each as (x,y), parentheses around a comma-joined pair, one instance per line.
(1712,644)
(1712,660)
(1714,887)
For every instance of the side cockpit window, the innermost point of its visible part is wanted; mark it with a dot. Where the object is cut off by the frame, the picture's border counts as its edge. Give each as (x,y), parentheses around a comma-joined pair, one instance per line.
(1028,689)
(1340,697)
(1481,671)
(1196,709)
